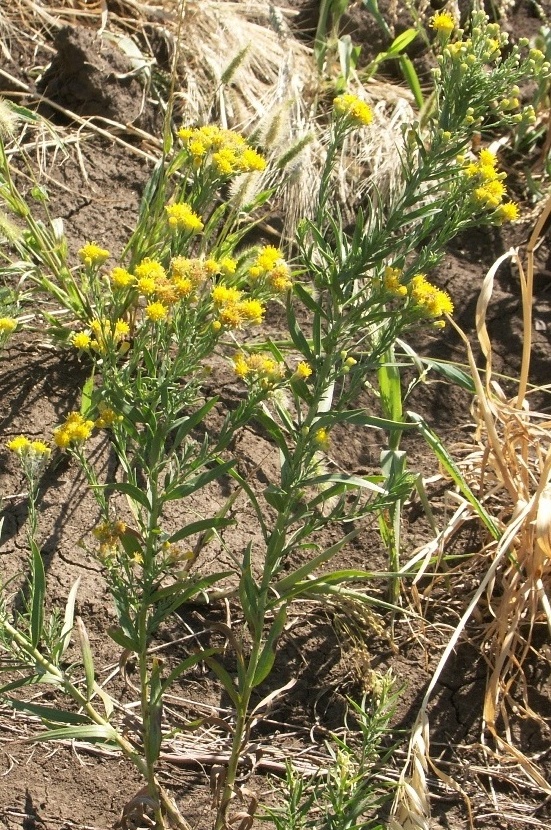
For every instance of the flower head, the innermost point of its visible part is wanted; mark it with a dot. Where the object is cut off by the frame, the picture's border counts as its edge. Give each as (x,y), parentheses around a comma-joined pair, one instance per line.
(7,325)
(76,430)
(303,371)
(353,109)
(443,23)
(91,254)
(19,444)
(81,340)
(156,312)
(121,278)
(181,217)
(508,212)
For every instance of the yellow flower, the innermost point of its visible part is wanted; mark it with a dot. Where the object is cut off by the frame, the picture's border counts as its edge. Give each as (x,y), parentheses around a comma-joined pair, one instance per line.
(181,217)
(75,430)
(486,157)
(443,23)
(81,340)
(91,254)
(391,281)
(121,278)
(508,212)
(107,418)
(303,371)
(40,448)
(429,298)
(251,160)
(222,294)
(122,330)
(18,444)
(353,108)
(252,310)
(230,316)
(279,278)
(156,312)
(7,325)
(146,286)
(151,269)
(321,438)
(226,161)
(227,266)
(240,365)
(211,266)
(183,286)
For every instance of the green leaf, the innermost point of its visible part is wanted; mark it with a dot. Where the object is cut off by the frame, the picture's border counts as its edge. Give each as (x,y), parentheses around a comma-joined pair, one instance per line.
(184,490)
(267,656)
(68,618)
(401,42)
(224,678)
(454,472)
(296,334)
(200,527)
(186,664)
(185,425)
(119,637)
(86,396)
(306,298)
(358,417)
(48,713)
(38,591)
(285,585)
(349,480)
(94,732)
(87,657)
(412,79)
(131,491)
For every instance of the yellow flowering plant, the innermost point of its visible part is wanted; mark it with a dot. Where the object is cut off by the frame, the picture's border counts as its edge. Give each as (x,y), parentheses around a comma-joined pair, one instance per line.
(185,290)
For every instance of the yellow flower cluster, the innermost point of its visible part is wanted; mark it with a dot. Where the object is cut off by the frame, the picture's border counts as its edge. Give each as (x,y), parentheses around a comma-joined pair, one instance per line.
(121,278)
(270,269)
(233,310)
(7,325)
(431,300)
(23,446)
(443,23)
(353,109)
(303,371)
(107,417)
(156,312)
(75,430)
(391,281)
(488,187)
(153,282)
(103,334)
(91,255)
(258,367)
(322,439)
(108,535)
(227,151)
(181,217)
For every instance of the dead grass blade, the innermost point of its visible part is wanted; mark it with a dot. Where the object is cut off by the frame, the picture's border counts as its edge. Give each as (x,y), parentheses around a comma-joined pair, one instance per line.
(509,470)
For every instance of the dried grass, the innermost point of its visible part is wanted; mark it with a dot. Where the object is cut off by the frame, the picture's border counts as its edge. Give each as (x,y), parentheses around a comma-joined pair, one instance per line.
(237,63)
(509,470)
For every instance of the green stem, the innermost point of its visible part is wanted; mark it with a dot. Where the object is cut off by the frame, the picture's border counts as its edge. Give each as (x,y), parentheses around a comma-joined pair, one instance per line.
(126,747)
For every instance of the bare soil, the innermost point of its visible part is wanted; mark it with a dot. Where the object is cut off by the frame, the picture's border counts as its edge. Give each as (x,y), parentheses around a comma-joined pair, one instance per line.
(47,787)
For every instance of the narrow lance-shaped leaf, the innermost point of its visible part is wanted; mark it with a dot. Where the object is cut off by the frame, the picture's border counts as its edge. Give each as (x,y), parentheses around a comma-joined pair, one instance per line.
(87,658)
(68,618)
(38,590)
(267,656)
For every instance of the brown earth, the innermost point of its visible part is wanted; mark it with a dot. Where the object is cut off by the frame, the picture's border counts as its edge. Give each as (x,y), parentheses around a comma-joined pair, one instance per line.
(50,787)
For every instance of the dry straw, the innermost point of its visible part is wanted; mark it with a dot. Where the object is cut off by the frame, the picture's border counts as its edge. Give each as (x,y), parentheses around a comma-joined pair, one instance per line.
(510,473)
(237,64)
